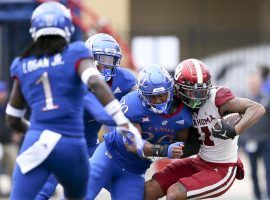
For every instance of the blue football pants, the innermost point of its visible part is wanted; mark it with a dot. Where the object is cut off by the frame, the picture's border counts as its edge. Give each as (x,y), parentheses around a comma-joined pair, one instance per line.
(68,161)
(105,171)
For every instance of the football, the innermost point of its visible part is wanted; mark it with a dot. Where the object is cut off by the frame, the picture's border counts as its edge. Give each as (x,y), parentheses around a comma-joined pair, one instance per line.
(231,118)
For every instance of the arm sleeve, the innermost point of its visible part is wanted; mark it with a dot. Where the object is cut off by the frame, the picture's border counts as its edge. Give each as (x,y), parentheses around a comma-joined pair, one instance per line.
(79,52)
(131,81)
(192,145)
(14,68)
(223,95)
(131,107)
(92,105)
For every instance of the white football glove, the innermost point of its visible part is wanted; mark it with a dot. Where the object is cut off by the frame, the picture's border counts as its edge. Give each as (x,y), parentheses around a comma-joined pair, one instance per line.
(129,133)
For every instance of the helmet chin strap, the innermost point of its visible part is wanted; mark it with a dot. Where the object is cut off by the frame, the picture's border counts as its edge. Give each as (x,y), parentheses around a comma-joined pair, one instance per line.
(162,108)
(107,73)
(155,110)
(107,78)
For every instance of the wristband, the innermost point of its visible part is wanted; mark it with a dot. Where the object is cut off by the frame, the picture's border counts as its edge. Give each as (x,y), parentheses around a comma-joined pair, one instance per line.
(160,150)
(28,123)
(15,112)
(119,118)
(87,73)
(113,107)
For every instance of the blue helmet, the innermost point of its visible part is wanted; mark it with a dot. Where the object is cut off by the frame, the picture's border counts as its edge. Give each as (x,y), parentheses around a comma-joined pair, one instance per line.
(106,52)
(155,82)
(51,18)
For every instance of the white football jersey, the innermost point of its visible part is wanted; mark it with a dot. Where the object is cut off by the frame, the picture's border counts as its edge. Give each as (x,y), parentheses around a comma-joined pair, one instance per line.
(214,149)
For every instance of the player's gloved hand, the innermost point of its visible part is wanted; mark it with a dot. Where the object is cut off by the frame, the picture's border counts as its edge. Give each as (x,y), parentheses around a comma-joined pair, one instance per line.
(175,150)
(132,138)
(223,130)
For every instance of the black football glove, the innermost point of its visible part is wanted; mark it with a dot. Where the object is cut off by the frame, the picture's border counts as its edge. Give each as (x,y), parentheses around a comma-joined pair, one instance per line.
(223,130)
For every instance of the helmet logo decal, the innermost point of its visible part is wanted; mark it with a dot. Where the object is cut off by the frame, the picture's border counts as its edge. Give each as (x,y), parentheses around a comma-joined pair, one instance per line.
(141,79)
(49,18)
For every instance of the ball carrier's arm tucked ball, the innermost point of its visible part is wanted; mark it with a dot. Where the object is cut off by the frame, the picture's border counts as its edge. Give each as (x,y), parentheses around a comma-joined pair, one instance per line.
(224,127)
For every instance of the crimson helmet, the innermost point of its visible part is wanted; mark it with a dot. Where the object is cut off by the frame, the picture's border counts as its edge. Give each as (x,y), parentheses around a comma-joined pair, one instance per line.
(192,82)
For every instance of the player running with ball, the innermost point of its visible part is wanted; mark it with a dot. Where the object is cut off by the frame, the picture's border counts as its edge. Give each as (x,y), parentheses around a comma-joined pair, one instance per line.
(212,172)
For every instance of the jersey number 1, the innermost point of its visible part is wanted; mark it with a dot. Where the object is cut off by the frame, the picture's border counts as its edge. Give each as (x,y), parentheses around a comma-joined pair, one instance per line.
(44,79)
(206,132)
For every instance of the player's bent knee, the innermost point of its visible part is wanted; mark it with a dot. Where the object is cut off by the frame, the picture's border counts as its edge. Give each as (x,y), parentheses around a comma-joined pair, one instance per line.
(152,190)
(176,192)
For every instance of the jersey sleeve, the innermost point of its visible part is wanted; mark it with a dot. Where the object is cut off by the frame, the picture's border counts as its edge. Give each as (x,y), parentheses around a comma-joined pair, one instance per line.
(79,52)
(14,72)
(223,95)
(130,80)
(186,112)
(131,107)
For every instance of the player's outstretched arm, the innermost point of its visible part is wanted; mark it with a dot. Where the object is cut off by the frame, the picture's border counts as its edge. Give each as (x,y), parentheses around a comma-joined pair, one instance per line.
(252,112)
(16,109)
(98,114)
(192,142)
(91,77)
(174,150)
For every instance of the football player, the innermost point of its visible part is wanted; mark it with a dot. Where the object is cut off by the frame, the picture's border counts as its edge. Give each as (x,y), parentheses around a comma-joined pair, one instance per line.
(48,77)
(212,172)
(107,55)
(162,122)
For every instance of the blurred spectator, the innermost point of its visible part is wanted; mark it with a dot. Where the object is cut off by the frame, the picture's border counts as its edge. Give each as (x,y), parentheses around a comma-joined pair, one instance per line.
(264,72)
(257,139)
(8,142)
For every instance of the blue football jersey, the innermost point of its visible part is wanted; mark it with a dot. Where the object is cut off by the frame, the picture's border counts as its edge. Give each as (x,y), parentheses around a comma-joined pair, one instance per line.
(53,90)
(157,129)
(94,113)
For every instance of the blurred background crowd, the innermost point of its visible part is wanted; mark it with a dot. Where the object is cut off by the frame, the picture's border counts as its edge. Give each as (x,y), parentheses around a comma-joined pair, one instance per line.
(231,37)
